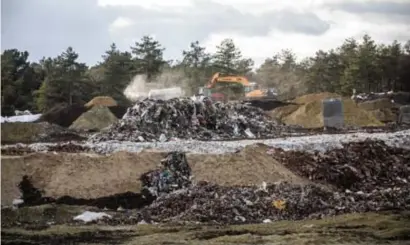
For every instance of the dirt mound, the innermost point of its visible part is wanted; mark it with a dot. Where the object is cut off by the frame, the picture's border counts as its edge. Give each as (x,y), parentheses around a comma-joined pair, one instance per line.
(251,166)
(383,109)
(63,115)
(97,118)
(76,175)
(101,101)
(22,132)
(309,113)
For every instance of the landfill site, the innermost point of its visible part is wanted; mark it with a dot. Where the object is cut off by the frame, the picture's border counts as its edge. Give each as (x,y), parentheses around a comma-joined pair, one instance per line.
(317,169)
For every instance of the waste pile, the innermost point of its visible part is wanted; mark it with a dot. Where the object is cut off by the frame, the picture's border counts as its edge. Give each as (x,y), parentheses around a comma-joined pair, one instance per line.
(360,177)
(358,166)
(95,119)
(184,118)
(282,201)
(173,174)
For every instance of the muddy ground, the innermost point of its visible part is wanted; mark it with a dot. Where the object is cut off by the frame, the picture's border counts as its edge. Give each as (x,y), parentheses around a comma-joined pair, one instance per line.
(53,224)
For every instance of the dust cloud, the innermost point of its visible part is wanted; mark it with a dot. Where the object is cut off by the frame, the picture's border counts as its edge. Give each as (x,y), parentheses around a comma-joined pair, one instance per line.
(139,87)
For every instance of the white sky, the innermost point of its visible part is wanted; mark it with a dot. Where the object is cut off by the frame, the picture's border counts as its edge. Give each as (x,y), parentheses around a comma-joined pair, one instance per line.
(260,28)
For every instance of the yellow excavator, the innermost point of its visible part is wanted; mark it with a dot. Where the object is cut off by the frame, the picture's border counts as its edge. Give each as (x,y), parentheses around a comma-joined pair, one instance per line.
(223,87)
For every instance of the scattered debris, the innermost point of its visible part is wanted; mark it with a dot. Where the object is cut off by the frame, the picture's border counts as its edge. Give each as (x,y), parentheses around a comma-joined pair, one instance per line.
(227,205)
(188,119)
(358,166)
(21,149)
(173,174)
(88,216)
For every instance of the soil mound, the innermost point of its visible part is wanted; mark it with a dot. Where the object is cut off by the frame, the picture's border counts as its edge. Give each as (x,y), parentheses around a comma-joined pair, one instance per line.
(383,109)
(76,175)
(309,113)
(63,115)
(251,166)
(101,101)
(97,118)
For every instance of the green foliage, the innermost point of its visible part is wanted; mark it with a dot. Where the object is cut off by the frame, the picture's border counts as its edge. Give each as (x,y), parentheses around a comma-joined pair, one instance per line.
(361,65)
(117,71)
(19,78)
(228,59)
(148,57)
(64,81)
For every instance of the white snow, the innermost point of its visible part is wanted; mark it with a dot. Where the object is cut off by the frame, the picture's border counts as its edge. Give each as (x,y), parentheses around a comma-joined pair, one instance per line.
(88,216)
(21,118)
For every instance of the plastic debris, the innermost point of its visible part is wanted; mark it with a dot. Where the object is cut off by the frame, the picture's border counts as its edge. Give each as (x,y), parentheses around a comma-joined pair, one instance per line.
(184,118)
(88,216)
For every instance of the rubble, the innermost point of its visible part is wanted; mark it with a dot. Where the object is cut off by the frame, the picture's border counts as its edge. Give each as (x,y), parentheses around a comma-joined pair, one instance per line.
(236,205)
(358,166)
(21,149)
(184,118)
(173,174)
(360,177)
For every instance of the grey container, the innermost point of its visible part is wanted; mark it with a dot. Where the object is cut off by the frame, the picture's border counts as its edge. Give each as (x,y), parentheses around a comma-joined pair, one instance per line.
(333,116)
(404,116)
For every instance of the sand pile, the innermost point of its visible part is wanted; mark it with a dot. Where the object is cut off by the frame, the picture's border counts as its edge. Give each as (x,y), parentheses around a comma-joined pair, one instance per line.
(308,112)
(382,109)
(101,101)
(76,175)
(97,118)
(251,166)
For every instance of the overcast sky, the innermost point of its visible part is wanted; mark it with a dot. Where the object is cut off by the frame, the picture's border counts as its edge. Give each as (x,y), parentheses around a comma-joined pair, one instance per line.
(259,27)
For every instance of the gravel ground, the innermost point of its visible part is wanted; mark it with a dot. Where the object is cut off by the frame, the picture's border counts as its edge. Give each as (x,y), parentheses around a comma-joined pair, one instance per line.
(305,143)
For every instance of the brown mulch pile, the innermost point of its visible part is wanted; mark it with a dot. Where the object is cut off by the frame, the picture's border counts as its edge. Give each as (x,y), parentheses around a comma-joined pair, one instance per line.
(358,166)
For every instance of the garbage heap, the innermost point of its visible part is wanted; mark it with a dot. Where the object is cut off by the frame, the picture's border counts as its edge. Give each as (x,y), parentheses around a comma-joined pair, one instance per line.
(283,201)
(163,120)
(360,177)
(358,166)
(174,173)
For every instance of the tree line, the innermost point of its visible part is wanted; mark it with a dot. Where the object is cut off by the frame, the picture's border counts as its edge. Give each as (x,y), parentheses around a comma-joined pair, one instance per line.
(362,65)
